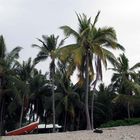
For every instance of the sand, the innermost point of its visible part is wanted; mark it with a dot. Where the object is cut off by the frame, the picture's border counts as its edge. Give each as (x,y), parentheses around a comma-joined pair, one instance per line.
(115,133)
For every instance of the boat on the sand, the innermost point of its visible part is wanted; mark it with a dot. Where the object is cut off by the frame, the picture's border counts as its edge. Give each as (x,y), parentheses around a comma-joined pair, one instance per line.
(23,130)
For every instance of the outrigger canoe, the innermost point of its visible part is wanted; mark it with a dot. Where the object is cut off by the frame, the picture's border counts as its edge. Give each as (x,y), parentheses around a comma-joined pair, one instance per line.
(23,130)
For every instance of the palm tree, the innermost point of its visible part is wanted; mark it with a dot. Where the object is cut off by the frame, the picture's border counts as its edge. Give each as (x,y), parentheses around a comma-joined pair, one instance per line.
(7,61)
(103,103)
(24,73)
(49,49)
(124,79)
(67,99)
(91,43)
(36,85)
(38,90)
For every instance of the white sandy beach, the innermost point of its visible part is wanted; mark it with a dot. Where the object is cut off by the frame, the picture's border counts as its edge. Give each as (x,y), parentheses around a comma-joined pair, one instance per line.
(115,133)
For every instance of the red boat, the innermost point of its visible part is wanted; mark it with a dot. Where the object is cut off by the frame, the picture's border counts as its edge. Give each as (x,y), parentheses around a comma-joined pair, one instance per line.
(23,130)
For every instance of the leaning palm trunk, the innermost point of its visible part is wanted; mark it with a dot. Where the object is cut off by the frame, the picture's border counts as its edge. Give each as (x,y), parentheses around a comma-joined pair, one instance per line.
(86,96)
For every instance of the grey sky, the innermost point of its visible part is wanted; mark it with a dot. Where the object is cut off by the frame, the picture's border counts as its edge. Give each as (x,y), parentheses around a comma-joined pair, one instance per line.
(21,21)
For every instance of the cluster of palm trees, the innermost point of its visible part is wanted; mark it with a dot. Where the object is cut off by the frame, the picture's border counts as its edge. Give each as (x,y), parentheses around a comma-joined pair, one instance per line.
(26,93)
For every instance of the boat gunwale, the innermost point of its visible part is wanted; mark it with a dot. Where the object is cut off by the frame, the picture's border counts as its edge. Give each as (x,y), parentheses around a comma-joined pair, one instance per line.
(8,132)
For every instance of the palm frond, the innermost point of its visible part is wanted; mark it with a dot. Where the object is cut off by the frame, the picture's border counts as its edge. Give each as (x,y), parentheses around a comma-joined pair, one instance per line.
(115,77)
(50,41)
(2,47)
(62,42)
(69,31)
(98,51)
(119,46)
(37,46)
(96,19)
(44,45)
(14,54)
(40,58)
(109,56)
(84,22)
(135,66)
(98,67)
(135,87)
(65,52)
(77,56)
(91,70)
(124,99)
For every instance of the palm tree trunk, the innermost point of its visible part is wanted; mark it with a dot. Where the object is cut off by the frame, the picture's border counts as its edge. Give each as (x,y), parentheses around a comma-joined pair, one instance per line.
(86,96)
(53,96)
(128,110)
(78,122)
(92,106)
(30,114)
(53,105)
(65,121)
(1,117)
(1,108)
(21,113)
(45,119)
(37,109)
(34,111)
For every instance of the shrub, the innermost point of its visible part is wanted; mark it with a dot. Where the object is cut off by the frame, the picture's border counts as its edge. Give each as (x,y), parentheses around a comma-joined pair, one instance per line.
(124,122)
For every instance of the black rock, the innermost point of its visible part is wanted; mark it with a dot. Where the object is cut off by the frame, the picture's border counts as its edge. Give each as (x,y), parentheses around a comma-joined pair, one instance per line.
(98,131)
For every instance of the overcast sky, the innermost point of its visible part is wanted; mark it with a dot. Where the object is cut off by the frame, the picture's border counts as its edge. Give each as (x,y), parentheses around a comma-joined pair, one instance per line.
(21,21)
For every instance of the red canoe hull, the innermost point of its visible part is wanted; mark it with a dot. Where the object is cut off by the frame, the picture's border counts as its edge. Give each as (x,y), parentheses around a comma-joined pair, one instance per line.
(23,130)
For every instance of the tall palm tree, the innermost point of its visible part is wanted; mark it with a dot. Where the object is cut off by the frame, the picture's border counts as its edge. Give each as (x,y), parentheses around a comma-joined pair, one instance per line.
(103,102)
(38,90)
(49,49)
(91,44)
(24,73)
(67,99)
(124,78)
(7,61)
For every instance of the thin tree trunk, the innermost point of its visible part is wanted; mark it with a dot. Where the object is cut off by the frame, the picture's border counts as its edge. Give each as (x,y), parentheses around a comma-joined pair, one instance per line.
(53,105)
(0,106)
(21,114)
(65,121)
(53,96)
(36,109)
(30,114)
(92,106)
(45,119)
(128,110)
(78,122)
(86,98)
(1,117)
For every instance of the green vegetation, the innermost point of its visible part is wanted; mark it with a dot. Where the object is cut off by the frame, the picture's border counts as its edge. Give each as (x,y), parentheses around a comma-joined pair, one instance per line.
(26,93)
(124,122)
